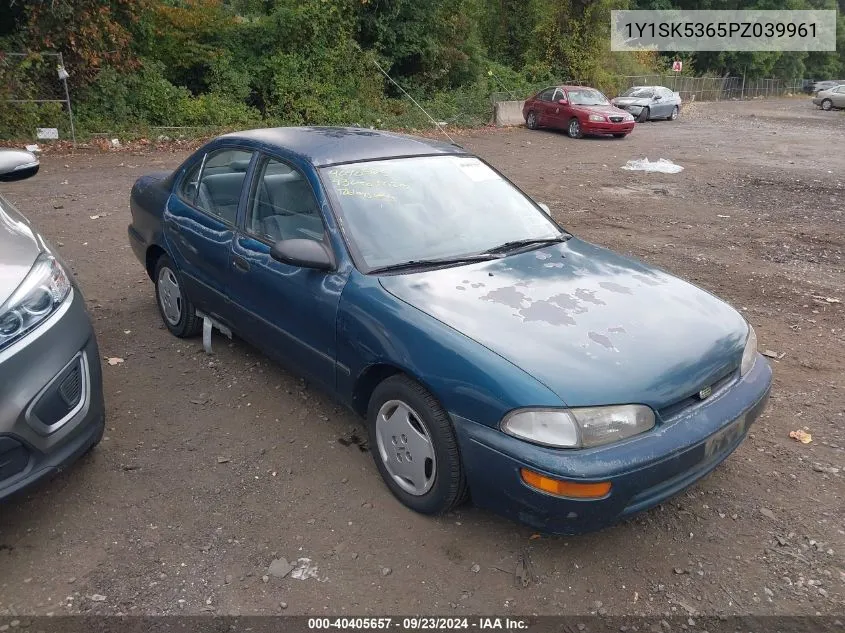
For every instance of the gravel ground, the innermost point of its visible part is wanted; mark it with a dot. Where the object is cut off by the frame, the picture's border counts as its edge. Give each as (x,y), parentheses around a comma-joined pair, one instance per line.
(214,466)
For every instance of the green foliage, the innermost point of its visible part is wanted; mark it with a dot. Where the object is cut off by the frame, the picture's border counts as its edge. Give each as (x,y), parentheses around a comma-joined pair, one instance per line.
(241,63)
(19,120)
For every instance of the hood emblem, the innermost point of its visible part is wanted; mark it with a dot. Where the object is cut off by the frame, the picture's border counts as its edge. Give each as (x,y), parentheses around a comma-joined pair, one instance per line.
(705,393)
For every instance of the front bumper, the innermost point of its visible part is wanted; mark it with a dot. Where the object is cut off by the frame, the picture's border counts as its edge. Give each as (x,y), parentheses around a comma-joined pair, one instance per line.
(51,398)
(607,127)
(643,471)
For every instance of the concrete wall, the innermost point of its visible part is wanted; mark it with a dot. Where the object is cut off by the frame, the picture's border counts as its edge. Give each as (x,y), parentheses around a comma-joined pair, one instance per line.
(506,113)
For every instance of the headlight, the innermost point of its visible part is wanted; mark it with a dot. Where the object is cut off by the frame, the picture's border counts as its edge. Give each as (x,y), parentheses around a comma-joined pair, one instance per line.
(627,117)
(749,355)
(39,295)
(597,117)
(579,428)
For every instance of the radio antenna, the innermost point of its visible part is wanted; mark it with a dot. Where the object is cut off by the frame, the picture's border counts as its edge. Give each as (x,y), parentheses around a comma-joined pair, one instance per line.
(414,101)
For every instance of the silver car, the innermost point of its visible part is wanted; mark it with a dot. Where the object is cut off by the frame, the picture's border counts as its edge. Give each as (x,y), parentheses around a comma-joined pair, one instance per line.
(831,98)
(648,103)
(51,393)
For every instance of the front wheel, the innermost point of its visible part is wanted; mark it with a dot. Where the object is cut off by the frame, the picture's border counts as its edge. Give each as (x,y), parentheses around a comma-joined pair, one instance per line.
(574,129)
(531,121)
(415,447)
(176,309)
(675,112)
(644,114)
(827,104)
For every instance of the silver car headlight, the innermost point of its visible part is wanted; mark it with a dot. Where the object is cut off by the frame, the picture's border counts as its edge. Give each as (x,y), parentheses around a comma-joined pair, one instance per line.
(581,427)
(749,355)
(40,294)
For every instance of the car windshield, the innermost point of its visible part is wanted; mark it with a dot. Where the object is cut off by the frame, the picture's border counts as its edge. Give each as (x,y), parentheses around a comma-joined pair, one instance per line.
(639,92)
(586,96)
(431,207)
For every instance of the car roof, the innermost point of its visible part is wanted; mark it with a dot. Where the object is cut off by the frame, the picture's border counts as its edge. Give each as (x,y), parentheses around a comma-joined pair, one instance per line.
(323,146)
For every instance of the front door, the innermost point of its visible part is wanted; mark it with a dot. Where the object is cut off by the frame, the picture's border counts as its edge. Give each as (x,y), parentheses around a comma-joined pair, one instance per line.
(199,226)
(288,311)
(561,112)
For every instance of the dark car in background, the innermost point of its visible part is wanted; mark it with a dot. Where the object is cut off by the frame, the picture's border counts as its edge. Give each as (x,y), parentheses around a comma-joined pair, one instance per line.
(51,395)
(579,110)
(648,103)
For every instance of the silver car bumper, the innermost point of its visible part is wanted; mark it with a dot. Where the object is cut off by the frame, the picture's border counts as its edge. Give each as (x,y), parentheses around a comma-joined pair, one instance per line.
(51,397)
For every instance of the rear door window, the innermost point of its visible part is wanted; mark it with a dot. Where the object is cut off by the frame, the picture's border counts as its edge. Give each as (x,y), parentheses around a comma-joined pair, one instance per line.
(215,184)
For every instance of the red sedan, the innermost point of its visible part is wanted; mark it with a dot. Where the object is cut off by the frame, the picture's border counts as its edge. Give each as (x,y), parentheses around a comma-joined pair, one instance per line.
(578,110)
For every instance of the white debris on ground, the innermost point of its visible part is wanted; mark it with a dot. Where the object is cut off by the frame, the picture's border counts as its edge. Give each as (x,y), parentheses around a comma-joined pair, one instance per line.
(304,570)
(661,165)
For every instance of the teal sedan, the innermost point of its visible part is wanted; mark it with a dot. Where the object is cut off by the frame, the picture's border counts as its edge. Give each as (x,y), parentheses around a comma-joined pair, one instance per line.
(493,354)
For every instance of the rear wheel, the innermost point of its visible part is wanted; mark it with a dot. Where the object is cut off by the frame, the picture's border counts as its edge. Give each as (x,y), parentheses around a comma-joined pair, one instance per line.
(827,104)
(574,129)
(176,309)
(674,115)
(531,120)
(415,447)
(644,114)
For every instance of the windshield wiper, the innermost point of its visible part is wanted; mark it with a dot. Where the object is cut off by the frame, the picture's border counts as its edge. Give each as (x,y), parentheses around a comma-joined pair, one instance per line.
(433,263)
(517,244)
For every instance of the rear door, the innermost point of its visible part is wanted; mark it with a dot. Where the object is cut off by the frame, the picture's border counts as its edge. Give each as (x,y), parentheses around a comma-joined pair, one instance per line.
(544,102)
(669,101)
(838,97)
(199,226)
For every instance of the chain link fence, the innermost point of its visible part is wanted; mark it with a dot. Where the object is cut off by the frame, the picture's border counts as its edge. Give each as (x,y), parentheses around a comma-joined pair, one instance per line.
(33,94)
(690,88)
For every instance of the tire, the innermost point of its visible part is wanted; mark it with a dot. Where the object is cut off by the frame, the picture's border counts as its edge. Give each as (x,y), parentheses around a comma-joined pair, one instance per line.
(573,128)
(827,105)
(437,482)
(176,310)
(644,114)
(531,120)
(620,135)
(674,116)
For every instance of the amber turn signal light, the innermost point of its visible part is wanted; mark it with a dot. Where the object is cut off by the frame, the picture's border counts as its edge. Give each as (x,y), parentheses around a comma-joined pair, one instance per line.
(571,489)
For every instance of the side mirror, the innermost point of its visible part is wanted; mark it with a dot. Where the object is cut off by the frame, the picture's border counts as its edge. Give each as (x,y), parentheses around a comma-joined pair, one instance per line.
(544,207)
(303,253)
(562,101)
(656,98)
(17,164)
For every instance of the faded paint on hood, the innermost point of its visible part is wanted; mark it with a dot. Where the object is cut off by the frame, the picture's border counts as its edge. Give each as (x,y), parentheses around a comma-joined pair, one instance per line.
(20,245)
(593,326)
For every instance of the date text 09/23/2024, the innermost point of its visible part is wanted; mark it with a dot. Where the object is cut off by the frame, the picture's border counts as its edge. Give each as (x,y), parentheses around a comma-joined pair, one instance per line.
(418,623)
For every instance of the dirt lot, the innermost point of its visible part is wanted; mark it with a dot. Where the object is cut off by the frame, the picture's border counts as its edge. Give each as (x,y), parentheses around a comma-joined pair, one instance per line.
(155,524)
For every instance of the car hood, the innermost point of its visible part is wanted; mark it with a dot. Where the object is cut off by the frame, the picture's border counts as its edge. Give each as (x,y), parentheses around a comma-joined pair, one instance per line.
(606,110)
(625,101)
(593,326)
(20,245)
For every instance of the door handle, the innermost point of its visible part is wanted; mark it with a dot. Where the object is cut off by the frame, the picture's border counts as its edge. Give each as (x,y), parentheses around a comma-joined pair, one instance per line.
(241,264)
